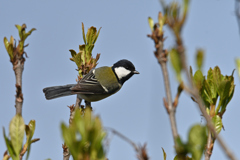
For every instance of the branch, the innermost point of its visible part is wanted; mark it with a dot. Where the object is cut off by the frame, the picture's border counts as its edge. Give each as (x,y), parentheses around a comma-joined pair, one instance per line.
(66,153)
(237,12)
(18,66)
(161,55)
(209,148)
(141,150)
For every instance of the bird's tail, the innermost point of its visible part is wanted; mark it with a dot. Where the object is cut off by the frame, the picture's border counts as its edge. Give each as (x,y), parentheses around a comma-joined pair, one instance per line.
(58,91)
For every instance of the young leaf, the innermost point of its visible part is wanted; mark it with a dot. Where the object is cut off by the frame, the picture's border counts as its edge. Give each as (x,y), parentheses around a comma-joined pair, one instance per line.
(83,33)
(212,85)
(217,121)
(199,58)
(19,30)
(197,139)
(9,46)
(151,23)
(95,39)
(9,145)
(176,63)
(164,154)
(31,126)
(28,33)
(198,79)
(237,61)
(73,53)
(17,128)
(91,33)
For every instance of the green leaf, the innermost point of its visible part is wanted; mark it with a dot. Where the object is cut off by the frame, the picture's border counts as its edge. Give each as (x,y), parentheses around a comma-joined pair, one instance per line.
(77,59)
(198,79)
(191,71)
(17,128)
(91,34)
(70,139)
(9,46)
(31,127)
(197,139)
(212,85)
(224,90)
(176,63)
(206,94)
(73,53)
(199,58)
(85,135)
(9,145)
(237,61)
(164,154)
(95,39)
(151,23)
(217,76)
(28,33)
(185,6)
(217,121)
(83,33)
(19,31)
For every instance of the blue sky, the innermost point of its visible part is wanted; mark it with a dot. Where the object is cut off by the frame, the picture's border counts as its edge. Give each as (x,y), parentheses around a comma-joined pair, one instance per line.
(137,109)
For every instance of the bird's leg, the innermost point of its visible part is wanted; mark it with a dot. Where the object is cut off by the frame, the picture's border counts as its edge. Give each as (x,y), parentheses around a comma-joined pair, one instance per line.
(88,104)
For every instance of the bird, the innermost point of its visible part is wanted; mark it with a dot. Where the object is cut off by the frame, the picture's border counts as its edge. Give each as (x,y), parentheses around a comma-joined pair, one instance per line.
(98,84)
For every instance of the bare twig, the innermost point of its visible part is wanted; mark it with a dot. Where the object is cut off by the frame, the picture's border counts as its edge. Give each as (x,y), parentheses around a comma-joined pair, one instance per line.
(141,150)
(66,153)
(161,56)
(18,66)
(210,143)
(237,12)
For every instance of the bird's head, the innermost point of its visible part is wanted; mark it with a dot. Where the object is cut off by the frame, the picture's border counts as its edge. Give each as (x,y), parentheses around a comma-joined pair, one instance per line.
(124,70)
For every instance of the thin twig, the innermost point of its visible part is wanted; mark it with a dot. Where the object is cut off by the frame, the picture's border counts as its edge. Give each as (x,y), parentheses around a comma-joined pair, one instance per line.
(141,150)
(237,12)
(66,153)
(18,66)
(123,137)
(209,148)
(161,56)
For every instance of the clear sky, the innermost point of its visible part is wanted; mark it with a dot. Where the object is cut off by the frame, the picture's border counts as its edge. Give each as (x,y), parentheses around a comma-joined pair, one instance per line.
(137,109)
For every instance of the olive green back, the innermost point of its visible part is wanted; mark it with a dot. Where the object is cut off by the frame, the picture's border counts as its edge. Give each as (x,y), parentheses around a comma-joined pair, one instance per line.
(110,82)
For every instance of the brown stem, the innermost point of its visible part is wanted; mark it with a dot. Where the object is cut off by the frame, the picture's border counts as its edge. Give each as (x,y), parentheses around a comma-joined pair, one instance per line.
(66,153)
(18,67)
(161,56)
(141,150)
(210,143)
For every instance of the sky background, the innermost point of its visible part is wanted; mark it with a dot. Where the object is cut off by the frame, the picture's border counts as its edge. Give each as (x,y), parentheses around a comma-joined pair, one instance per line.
(137,109)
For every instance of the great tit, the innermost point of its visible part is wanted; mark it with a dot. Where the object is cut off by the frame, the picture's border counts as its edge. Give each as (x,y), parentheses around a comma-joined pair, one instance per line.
(98,84)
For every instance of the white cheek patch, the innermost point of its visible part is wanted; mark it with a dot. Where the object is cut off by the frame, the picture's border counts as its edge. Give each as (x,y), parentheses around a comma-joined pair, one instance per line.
(121,72)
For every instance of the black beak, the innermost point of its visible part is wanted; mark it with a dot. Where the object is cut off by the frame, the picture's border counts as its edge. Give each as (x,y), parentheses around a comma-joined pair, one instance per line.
(136,72)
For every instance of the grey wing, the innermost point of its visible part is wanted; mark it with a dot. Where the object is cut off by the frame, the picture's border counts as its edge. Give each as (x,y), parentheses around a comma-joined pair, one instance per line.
(88,85)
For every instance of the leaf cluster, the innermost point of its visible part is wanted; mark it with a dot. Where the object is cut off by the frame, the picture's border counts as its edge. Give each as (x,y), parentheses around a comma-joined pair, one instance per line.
(214,88)
(17,51)
(84,136)
(175,16)
(83,59)
(14,144)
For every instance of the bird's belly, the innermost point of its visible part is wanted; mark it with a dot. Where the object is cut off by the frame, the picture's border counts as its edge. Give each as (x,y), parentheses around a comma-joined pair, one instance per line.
(94,97)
